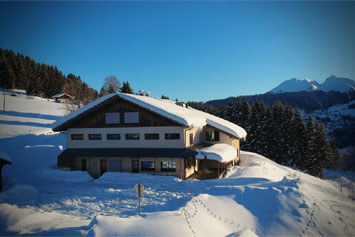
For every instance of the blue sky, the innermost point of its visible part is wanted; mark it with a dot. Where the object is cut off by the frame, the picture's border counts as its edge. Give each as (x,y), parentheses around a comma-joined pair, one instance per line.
(187,50)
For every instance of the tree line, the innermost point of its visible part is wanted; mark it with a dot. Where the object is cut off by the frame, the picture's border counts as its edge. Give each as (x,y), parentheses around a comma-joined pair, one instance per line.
(280,133)
(39,79)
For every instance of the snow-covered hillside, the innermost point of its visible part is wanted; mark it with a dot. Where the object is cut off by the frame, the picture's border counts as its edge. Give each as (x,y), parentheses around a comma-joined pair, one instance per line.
(27,114)
(332,83)
(294,85)
(333,117)
(259,197)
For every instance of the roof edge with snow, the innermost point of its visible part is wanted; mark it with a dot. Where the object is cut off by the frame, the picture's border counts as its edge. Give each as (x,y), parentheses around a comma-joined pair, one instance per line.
(185,116)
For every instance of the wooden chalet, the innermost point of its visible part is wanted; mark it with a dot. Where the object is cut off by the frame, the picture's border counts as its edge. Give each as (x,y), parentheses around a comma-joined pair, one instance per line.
(132,133)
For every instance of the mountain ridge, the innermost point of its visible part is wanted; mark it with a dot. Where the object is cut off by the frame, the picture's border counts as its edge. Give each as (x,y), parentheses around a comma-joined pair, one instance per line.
(332,83)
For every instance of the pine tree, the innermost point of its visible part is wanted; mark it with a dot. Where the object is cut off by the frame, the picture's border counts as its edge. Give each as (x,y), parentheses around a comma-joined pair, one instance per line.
(277,133)
(102,92)
(310,161)
(299,137)
(126,88)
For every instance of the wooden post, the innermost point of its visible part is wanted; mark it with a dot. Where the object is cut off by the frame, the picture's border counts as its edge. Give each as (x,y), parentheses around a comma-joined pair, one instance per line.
(4,100)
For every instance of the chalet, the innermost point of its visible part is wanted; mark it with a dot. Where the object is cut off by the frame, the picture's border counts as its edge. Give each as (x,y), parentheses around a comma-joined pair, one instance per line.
(133,133)
(62,98)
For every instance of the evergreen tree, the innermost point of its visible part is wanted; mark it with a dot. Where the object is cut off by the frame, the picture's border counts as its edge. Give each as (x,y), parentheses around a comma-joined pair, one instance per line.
(102,92)
(310,161)
(126,88)
(299,138)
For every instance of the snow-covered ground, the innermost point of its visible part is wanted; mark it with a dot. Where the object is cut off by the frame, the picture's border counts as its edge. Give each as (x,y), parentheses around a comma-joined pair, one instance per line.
(27,114)
(259,197)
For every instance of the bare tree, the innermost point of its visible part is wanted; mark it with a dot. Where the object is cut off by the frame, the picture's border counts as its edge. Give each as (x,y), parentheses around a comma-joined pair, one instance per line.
(111,84)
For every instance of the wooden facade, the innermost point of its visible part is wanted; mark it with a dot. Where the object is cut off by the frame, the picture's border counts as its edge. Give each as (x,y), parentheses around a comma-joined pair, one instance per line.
(94,120)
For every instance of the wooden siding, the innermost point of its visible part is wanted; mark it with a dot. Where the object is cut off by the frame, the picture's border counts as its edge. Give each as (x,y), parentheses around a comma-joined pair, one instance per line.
(95,118)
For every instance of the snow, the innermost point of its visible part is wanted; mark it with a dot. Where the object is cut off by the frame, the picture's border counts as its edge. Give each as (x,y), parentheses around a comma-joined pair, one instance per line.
(60,95)
(222,153)
(28,115)
(332,83)
(259,197)
(294,85)
(188,117)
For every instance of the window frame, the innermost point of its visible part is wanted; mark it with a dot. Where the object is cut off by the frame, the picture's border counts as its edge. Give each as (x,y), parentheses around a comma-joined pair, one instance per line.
(214,137)
(170,136)
(131,116)
(147,169)
(148,136)
(129,134)
(72,136)
(171,166)
(110,116)
(114,134)
(95,136)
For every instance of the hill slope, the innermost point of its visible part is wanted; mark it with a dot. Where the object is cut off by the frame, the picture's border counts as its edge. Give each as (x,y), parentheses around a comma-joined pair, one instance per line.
(259,197)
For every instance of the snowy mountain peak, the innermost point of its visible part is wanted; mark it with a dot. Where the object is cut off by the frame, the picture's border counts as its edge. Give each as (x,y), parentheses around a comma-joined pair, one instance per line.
(332,83)
(295,84)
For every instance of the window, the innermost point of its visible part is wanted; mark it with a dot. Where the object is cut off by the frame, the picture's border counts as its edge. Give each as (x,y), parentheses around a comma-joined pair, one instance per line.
(212,136)
(172,136)
(113,136)
(132,136)
(168,166)
(114,165)
(147,165)
(95,137)
(77,136)
(151,136)
(112,118)
(131,117)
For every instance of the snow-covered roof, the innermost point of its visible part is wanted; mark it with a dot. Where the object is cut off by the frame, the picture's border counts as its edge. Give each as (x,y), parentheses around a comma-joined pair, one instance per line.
(181,114)
(61,94)
(5,156)
(220,152)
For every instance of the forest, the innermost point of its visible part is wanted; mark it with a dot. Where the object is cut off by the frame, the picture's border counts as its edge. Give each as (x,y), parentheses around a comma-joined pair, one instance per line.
(39,79)
(280,133)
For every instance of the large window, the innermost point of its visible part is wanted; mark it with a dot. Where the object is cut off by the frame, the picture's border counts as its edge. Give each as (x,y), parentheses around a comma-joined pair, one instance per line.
(77,136)
(151,136)
(113,136)
(147,165)
(112,118)
(168,166)
(132,136)
(114,165)
(131,117)
(212,136)
(95,136)
(172,136)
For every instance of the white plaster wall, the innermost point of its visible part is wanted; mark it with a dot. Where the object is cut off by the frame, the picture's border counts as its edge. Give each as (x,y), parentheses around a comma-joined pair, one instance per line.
(123,143)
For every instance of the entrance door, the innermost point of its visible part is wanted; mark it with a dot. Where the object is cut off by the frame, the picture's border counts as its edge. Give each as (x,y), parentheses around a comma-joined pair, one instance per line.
(135,166)
(83,165)
(103,166)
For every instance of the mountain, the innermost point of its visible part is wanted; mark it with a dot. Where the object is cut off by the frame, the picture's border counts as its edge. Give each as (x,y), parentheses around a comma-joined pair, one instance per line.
(332,83)
(295,84)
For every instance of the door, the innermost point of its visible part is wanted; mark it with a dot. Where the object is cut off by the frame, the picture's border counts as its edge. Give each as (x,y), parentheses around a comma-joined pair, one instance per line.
(191,139)
(135,166)
(83,165)
(103,166)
